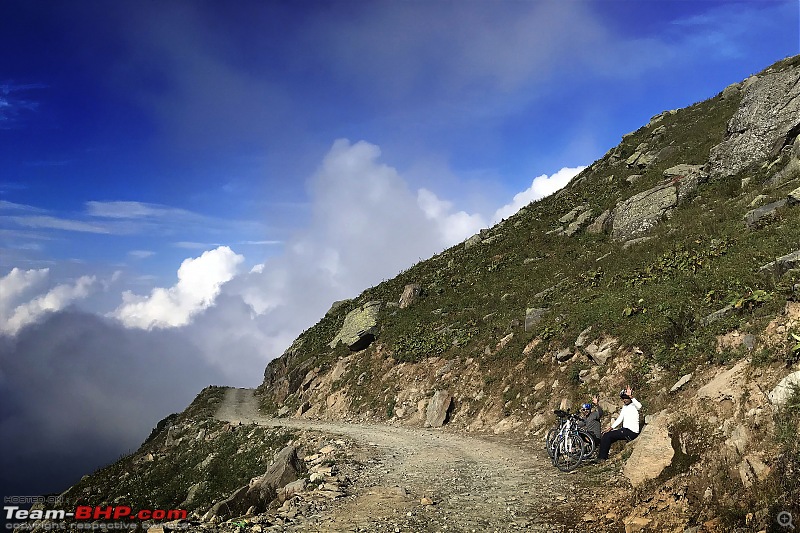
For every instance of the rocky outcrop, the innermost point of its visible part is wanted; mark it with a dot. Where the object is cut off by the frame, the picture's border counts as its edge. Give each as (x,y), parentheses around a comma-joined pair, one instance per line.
(640,213)
(601,350)
(794,197)
(751,470)
(681,382)
(768,112)
(574,220)
(360,327)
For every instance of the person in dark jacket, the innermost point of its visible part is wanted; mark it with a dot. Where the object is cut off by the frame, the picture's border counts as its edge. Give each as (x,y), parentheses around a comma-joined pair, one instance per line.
(591,419)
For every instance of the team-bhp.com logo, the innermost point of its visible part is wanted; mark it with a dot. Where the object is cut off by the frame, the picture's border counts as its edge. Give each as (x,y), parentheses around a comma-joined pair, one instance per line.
(87,512)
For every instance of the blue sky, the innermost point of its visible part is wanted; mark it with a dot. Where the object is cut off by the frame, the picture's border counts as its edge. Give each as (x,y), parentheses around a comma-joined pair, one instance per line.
(201,179)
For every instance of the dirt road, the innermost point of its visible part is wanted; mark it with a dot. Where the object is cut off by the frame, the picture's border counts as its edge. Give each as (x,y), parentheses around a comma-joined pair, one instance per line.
(476,484)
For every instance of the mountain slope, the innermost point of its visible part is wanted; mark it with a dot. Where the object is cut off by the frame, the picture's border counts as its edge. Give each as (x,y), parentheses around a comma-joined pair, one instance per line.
(657,261)
(671,264)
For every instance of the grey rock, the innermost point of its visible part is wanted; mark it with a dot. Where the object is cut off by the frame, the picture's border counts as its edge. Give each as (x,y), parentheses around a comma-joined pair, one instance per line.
(576,224)
(290,489)
(794,197)
(601,353)
(652,452)
(681,382)
(438,409)
(666,152)
(569,217)
(557,230)
(752,469)
(564,355)
(472,241)
(410,294)
(634,242)
(360,327)
(632,159)
(717,315)
(533,316)
(731,91)
(749,341)
(639,213)
(190,495)
(762,215)
(781,265)
(334,306)
(768,111)
(686,178)
(602,224)
(784,389)
(583,336)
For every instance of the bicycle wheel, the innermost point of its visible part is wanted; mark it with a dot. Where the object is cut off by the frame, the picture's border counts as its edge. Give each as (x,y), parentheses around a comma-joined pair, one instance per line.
(550,441)
(569,453)
(588,444)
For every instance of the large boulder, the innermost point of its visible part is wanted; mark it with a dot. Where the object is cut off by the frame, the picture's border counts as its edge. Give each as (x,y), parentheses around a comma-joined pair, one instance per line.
(360,327)
(438,409)
(639,213)
(652,452)
(410,294)
(768,112)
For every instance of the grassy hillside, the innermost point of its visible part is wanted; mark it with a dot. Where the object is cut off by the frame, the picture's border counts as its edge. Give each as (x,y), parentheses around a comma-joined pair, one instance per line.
(652,296)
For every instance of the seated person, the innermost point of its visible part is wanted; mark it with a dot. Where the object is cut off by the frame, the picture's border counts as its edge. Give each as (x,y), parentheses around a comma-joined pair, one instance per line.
(628,418)
(591,419)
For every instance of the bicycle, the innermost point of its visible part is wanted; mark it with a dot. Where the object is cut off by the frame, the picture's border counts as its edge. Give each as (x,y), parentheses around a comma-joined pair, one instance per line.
(567,444)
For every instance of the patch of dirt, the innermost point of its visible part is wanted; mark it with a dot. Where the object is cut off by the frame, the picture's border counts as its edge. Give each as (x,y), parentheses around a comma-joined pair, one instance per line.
(414,479)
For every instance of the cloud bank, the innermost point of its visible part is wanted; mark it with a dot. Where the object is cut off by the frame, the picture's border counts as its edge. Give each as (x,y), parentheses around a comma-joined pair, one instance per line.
(16,314)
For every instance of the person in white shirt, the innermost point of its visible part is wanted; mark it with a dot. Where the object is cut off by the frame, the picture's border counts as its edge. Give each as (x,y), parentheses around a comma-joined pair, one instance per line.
(628,418)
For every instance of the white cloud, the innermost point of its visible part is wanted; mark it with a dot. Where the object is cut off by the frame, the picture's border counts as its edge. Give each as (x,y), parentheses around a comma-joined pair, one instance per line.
(453,227)
(541,186)
(190,245)
(48,222)
(199,282)
(120,209)
(16,283)
(141,254)
(14,315)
